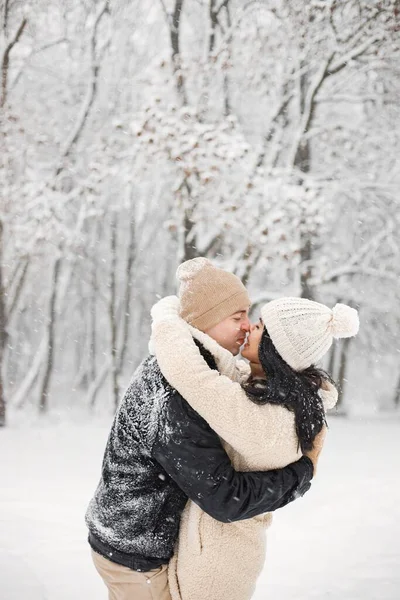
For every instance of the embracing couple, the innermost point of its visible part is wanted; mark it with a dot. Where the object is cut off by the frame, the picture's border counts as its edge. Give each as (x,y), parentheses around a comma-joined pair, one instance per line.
(204,447)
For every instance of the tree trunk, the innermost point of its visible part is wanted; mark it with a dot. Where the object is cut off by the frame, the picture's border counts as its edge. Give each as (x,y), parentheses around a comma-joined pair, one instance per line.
(176,52)
(43,403)
(17,287)
(93,324)
(6,56)
(3,97)
(21,395)
(97,384)
(396,398)
(14,289)
(189,242)
(306,270)
(3,334)
(213,13)
(345,343)
(332,359)
(302,162)
(112,312)
(81,345)
(93,314)
(3,419)
(309,88)
(118,352)
(126,308)
(248,261)
(92,89)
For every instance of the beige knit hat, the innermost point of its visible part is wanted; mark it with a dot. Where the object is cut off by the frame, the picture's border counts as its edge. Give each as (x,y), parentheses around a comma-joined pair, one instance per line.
(207,294)
(302,331)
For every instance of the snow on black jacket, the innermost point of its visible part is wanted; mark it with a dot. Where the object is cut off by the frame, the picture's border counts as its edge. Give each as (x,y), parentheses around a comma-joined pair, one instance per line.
(159,453)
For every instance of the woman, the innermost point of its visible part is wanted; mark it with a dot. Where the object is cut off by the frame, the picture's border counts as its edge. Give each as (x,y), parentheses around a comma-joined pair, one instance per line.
(266,416)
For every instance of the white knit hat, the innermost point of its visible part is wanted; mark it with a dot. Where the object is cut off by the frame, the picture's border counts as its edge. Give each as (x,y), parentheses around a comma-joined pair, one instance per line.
(302,331)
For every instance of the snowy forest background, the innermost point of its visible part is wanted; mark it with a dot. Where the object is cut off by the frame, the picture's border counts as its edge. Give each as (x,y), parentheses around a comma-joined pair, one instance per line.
(264,134)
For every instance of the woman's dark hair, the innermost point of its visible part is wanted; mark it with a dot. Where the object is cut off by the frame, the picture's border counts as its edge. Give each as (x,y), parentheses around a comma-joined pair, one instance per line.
(295,390)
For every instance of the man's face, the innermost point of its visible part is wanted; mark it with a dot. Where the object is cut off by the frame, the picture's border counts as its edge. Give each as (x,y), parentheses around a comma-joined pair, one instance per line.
(231,332)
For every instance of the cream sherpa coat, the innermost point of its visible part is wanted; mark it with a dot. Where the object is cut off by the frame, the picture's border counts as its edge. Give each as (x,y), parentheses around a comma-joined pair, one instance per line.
(220,561)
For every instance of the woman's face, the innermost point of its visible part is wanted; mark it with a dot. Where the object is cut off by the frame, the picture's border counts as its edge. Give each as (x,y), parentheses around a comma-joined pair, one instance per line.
(250,349)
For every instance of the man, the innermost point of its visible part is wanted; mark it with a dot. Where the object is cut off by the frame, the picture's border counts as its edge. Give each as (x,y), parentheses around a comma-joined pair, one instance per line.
(160,452)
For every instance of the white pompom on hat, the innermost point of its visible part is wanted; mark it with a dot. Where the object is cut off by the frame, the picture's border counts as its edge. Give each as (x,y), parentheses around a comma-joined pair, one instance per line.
(302,330)
(345,322)
(207,294)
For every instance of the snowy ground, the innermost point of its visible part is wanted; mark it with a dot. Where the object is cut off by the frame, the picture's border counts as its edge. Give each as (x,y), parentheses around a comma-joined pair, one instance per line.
(341,542)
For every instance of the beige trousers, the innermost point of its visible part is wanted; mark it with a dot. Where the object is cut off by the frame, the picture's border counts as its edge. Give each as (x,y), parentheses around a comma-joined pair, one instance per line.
(125,584)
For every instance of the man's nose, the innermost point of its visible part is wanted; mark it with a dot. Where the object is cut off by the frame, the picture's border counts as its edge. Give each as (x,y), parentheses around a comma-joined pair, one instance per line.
(246,325)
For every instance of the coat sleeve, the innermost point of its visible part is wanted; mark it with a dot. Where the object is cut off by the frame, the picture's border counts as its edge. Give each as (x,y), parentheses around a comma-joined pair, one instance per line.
(191,453)
(220,401)
(235,369)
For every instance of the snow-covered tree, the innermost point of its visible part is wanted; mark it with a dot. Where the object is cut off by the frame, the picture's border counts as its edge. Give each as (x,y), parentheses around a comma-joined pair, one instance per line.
(262,134)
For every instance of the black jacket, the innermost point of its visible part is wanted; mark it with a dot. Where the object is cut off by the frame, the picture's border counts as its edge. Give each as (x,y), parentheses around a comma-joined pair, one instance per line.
(159,453)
